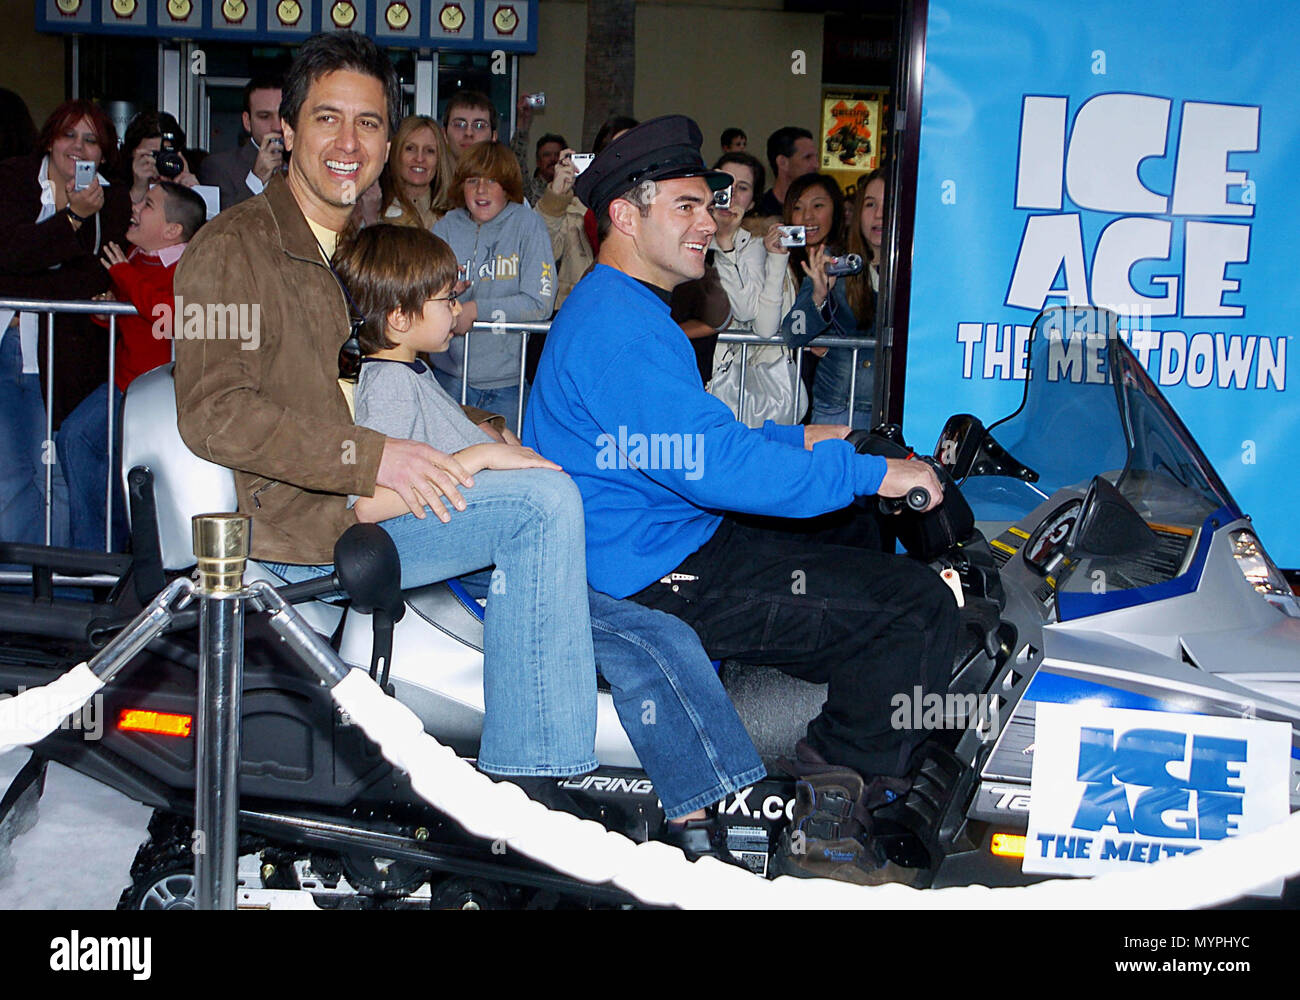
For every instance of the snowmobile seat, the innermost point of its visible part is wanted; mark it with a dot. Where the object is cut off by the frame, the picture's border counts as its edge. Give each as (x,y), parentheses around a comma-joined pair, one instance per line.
(184,484)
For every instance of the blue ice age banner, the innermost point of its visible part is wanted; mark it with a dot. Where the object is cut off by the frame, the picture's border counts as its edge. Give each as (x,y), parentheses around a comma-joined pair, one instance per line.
(1139,157)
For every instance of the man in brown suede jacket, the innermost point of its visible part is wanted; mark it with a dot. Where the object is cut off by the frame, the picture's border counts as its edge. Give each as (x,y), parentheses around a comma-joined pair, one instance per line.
(257,377)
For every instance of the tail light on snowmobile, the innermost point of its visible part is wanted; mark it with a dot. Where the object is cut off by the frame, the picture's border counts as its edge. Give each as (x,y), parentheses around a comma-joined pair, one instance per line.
(1007,845)
(143,720)
(1261,574)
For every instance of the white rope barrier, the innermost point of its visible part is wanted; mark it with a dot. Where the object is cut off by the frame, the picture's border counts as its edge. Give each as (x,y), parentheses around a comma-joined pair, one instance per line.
(31,716)
(660,875)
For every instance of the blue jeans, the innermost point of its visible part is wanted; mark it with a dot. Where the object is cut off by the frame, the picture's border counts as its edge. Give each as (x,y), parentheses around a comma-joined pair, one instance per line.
(840,415)
(686,732)
(87,461)
(504,401)
(677,715)
(539,673)
(22,437)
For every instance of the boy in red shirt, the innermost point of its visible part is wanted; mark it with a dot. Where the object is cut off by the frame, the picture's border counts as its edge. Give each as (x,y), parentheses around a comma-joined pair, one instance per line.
(161,225)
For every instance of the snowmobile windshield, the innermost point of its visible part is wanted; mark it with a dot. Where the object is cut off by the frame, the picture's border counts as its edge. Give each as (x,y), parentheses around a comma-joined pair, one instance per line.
(1090,409)
(1166,476)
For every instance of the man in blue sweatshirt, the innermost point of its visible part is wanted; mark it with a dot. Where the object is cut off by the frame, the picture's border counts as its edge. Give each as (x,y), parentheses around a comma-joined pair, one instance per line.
(673,486)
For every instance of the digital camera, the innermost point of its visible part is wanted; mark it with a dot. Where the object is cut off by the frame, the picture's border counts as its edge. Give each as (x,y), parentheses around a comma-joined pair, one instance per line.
(849,263)
(793,236)
(168,158)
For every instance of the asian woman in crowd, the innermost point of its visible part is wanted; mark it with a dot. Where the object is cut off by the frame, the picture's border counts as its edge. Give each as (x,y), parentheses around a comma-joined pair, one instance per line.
(827,304)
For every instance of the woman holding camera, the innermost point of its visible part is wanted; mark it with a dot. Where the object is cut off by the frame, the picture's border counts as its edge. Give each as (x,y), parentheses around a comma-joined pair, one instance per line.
(53,223)
(151,151)
(809,302)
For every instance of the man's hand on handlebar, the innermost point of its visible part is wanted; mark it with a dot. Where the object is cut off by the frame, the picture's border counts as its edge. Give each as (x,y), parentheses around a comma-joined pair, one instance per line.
(420,475)
(904,475)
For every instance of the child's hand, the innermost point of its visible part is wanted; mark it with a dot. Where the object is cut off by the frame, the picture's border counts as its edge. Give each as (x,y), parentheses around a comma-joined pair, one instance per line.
(113,256)
(502,456)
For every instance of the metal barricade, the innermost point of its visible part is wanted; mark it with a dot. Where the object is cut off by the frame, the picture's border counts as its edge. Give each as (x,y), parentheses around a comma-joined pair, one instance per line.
(49,309)
(115,309)
(729,336)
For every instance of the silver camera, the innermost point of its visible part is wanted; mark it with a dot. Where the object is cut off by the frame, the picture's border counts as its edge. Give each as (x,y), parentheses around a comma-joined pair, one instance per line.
(847,264)
(793,236)
(537,100)
(581,161)
(722,198)
(85,175)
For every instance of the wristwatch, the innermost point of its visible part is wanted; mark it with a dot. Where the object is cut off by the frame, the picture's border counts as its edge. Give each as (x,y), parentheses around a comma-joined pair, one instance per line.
(74,215)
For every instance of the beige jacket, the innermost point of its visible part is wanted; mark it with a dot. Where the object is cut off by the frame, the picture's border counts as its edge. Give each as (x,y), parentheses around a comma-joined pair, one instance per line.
(564,215)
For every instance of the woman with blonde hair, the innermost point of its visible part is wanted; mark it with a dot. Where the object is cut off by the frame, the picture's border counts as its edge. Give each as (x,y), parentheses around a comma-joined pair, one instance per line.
(416,184)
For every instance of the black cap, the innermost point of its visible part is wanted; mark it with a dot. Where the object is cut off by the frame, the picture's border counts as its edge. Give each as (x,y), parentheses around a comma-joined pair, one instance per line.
(657,150)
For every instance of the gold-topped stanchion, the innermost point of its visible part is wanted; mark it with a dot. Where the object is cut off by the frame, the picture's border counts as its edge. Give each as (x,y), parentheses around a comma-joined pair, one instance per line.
(221,544)
(221,547)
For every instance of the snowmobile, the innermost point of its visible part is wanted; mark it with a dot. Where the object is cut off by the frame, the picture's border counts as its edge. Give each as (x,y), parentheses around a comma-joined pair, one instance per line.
(1093,478)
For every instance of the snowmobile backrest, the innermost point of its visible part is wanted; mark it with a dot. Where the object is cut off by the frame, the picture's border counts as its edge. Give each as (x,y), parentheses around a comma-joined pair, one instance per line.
(184,484)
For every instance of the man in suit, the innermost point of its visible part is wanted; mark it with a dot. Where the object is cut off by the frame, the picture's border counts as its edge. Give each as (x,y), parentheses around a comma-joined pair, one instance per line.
(242,172)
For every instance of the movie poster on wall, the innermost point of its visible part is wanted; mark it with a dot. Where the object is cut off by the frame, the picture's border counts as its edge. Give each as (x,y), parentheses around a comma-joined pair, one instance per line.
(851,134)
(1079,157)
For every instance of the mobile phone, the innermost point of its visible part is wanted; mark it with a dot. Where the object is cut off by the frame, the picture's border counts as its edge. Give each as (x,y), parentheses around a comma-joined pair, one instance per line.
(275,142)
(793,236)
(85,175)
(537,100)
(581,161)
(847,264)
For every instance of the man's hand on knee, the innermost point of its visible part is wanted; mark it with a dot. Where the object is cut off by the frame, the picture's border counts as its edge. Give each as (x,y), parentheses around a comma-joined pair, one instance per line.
(812,433)
(420,475)
(902,474)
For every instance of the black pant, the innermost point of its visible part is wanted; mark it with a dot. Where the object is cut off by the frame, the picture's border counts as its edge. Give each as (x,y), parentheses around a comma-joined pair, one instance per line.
(821,602)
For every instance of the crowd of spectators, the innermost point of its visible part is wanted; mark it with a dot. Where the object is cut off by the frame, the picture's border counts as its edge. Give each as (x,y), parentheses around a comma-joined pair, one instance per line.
(520,234)
(84,218)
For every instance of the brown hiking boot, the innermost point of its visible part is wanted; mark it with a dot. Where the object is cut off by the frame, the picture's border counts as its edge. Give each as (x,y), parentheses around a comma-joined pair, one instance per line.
(829,834)
(879,791)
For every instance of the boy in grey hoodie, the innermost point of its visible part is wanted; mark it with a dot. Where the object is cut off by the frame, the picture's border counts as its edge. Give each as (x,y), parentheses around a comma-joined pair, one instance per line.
(505,251)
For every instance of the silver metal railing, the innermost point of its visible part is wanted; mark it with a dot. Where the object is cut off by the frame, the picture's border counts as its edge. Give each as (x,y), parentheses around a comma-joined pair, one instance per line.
(115,309)
(50,309)
(730,336)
